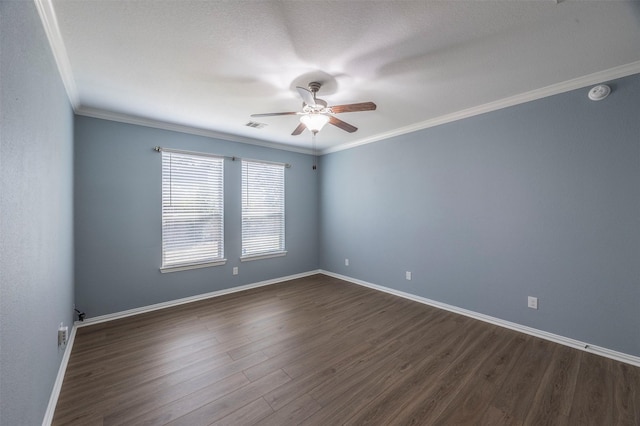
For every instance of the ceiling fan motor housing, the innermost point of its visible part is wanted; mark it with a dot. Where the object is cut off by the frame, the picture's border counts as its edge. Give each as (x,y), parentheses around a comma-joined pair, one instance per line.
(316,113)
(314,86)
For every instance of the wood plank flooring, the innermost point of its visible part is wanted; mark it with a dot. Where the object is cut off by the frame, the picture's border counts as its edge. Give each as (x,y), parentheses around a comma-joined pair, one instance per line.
(320,351)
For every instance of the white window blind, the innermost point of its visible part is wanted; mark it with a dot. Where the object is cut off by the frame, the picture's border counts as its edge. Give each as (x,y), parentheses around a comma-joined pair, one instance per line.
(262,210)
(192,211)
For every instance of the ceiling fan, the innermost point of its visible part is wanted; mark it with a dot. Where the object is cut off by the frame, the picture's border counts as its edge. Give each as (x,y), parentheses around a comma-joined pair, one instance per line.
(315,112)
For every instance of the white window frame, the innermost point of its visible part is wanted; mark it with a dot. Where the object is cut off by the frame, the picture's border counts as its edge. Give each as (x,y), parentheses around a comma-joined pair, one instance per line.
(195,180)
(263,196)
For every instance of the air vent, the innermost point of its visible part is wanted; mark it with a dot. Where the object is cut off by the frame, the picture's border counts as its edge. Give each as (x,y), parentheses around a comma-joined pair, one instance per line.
(255,125)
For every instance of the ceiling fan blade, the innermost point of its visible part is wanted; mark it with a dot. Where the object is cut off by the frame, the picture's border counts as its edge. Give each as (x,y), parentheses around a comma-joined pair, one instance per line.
(271,114)
(298,129)
(307,96)
(363,106)
(341,124)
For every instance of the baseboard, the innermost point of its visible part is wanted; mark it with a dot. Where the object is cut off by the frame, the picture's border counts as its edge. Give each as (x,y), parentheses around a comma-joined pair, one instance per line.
(53,400)
(57,385)
(587,347)
(55,393)
(176,302)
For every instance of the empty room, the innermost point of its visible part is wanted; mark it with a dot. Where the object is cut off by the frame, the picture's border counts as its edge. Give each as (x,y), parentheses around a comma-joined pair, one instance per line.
(319,212)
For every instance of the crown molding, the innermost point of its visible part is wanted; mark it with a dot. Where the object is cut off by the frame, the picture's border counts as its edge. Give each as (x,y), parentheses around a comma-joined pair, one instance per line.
(52,30)
(554,89)
(181,128)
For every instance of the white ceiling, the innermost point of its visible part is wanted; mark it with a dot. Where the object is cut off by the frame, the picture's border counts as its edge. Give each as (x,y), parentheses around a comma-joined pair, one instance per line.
(208,65)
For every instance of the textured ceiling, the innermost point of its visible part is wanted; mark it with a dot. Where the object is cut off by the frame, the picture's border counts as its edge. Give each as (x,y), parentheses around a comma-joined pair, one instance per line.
(210,64)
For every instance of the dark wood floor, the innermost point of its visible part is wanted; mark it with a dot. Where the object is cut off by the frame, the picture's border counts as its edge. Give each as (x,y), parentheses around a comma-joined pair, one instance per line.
(320,351)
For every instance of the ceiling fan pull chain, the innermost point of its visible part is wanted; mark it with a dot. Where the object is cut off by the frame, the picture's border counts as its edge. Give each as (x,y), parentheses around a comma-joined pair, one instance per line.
(313,149)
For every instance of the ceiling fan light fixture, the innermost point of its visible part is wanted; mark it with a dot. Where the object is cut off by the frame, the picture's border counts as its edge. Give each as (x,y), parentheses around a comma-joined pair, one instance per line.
(316,113)
(314,122)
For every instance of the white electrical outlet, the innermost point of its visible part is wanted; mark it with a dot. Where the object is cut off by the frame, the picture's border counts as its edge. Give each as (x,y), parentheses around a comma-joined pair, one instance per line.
(63,335)
(407,275)
(346,262)
(532,302)
(235,270)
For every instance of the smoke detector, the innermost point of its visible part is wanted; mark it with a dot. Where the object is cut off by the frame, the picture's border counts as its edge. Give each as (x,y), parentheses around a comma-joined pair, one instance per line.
(599,92)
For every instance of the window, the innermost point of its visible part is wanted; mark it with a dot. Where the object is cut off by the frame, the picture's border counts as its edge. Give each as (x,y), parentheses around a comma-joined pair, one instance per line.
(192,211)
(262,210)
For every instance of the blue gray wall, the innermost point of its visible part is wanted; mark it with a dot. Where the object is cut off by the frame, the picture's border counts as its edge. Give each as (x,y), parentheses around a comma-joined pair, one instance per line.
(36,215)
(118,217)
(541,199)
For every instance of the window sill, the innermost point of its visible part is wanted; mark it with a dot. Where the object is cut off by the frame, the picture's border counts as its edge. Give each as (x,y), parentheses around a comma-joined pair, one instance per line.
(194,266)
(262,256)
